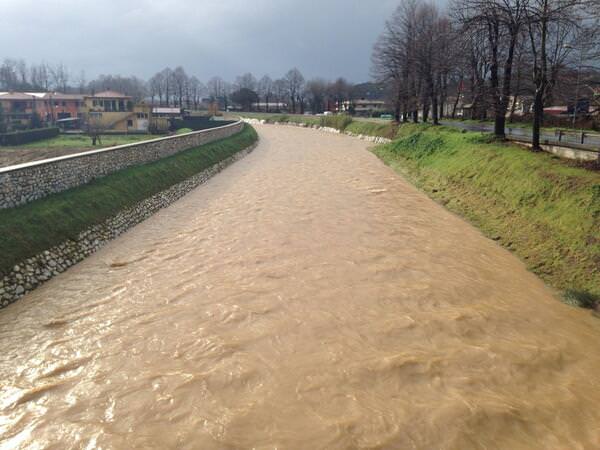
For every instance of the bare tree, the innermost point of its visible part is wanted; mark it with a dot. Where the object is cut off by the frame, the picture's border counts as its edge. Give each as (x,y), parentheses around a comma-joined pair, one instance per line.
(246,81)
(216,87)
(156,87)
(219,91)
(195,91)
(167,80)
(503,23)
(415,57)
(40,77)
(94,128)
(552,27)
(60,77)
(265,90)
(8,75)
(317,91)
(132,86)
(81,83)
(280,90)
(295,83)
(180,80)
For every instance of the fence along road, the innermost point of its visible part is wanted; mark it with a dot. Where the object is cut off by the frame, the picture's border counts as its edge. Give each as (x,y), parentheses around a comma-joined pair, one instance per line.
(582,140)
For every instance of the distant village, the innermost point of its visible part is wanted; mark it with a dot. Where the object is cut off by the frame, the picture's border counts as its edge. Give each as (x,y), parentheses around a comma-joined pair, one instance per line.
(108,110)
(136,106)
(117,112)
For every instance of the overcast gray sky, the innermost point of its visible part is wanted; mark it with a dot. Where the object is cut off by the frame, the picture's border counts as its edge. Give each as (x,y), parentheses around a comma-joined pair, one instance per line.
(327,38)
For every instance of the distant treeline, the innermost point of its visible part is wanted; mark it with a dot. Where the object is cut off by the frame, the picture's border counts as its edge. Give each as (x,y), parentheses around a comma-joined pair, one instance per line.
(175,87)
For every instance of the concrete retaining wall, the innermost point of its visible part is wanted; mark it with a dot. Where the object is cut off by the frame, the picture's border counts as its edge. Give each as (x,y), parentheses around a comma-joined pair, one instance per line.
(565,152)
(31,273)
(27,182)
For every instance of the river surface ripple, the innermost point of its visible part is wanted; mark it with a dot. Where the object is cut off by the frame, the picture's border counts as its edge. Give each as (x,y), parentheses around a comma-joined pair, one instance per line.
(306,297)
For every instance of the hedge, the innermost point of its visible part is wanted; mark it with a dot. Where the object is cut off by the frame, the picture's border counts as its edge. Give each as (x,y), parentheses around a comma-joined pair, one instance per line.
(27,136)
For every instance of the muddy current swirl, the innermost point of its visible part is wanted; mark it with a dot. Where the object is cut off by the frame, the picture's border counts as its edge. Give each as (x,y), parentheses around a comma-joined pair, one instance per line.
(307,297)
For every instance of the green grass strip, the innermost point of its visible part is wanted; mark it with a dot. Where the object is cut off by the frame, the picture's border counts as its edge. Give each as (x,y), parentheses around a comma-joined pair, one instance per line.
(541,208)
(32,228)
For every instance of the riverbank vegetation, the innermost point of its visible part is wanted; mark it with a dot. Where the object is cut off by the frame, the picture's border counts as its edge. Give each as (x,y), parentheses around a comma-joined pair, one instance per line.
(340,122)
(30,229)
(546,212)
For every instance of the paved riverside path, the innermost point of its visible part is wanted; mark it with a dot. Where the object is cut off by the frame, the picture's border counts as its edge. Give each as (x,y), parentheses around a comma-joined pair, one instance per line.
(305,297)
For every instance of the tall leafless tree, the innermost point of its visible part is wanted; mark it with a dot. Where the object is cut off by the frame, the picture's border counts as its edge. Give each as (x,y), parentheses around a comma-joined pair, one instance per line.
(502,23)
(552,26)
(265,90)
(295,83)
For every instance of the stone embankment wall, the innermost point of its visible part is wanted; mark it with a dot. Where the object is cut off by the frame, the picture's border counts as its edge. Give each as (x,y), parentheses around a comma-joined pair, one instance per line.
(374,139)
(31,273)
(27,182)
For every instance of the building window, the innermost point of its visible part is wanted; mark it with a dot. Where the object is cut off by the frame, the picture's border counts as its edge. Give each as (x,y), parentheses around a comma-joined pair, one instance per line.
(130,123)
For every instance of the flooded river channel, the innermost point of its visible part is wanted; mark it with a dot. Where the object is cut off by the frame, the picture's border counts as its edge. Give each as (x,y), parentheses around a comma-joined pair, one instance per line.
(305,298)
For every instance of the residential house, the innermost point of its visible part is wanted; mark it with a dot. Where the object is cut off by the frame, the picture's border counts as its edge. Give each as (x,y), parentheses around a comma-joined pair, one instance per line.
(116,112)
(18,109)
(271,106)
(556,110)
(363,107)
(166,112)
(519,105)
(54,106)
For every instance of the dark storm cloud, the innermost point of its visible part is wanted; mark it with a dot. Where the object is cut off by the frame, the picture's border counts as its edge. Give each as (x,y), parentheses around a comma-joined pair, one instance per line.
(324,38)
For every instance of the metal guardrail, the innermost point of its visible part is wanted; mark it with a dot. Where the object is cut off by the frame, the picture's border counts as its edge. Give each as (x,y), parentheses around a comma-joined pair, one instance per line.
(580,140)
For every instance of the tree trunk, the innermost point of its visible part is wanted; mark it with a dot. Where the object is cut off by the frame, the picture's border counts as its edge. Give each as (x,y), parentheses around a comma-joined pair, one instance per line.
(538,113)
(425,110)
(500,124)
(434,109)
(455,105)
(499,119)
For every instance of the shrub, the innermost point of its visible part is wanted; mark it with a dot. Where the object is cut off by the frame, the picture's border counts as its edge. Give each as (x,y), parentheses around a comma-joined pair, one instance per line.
(339,122)
(582,299)
(25,137)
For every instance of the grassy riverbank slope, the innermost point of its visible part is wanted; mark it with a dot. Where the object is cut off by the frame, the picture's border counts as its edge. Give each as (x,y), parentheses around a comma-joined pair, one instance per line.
(30,229)
(538,207)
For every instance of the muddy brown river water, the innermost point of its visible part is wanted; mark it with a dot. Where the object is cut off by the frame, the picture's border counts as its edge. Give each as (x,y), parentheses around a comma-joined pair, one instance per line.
(305,298)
